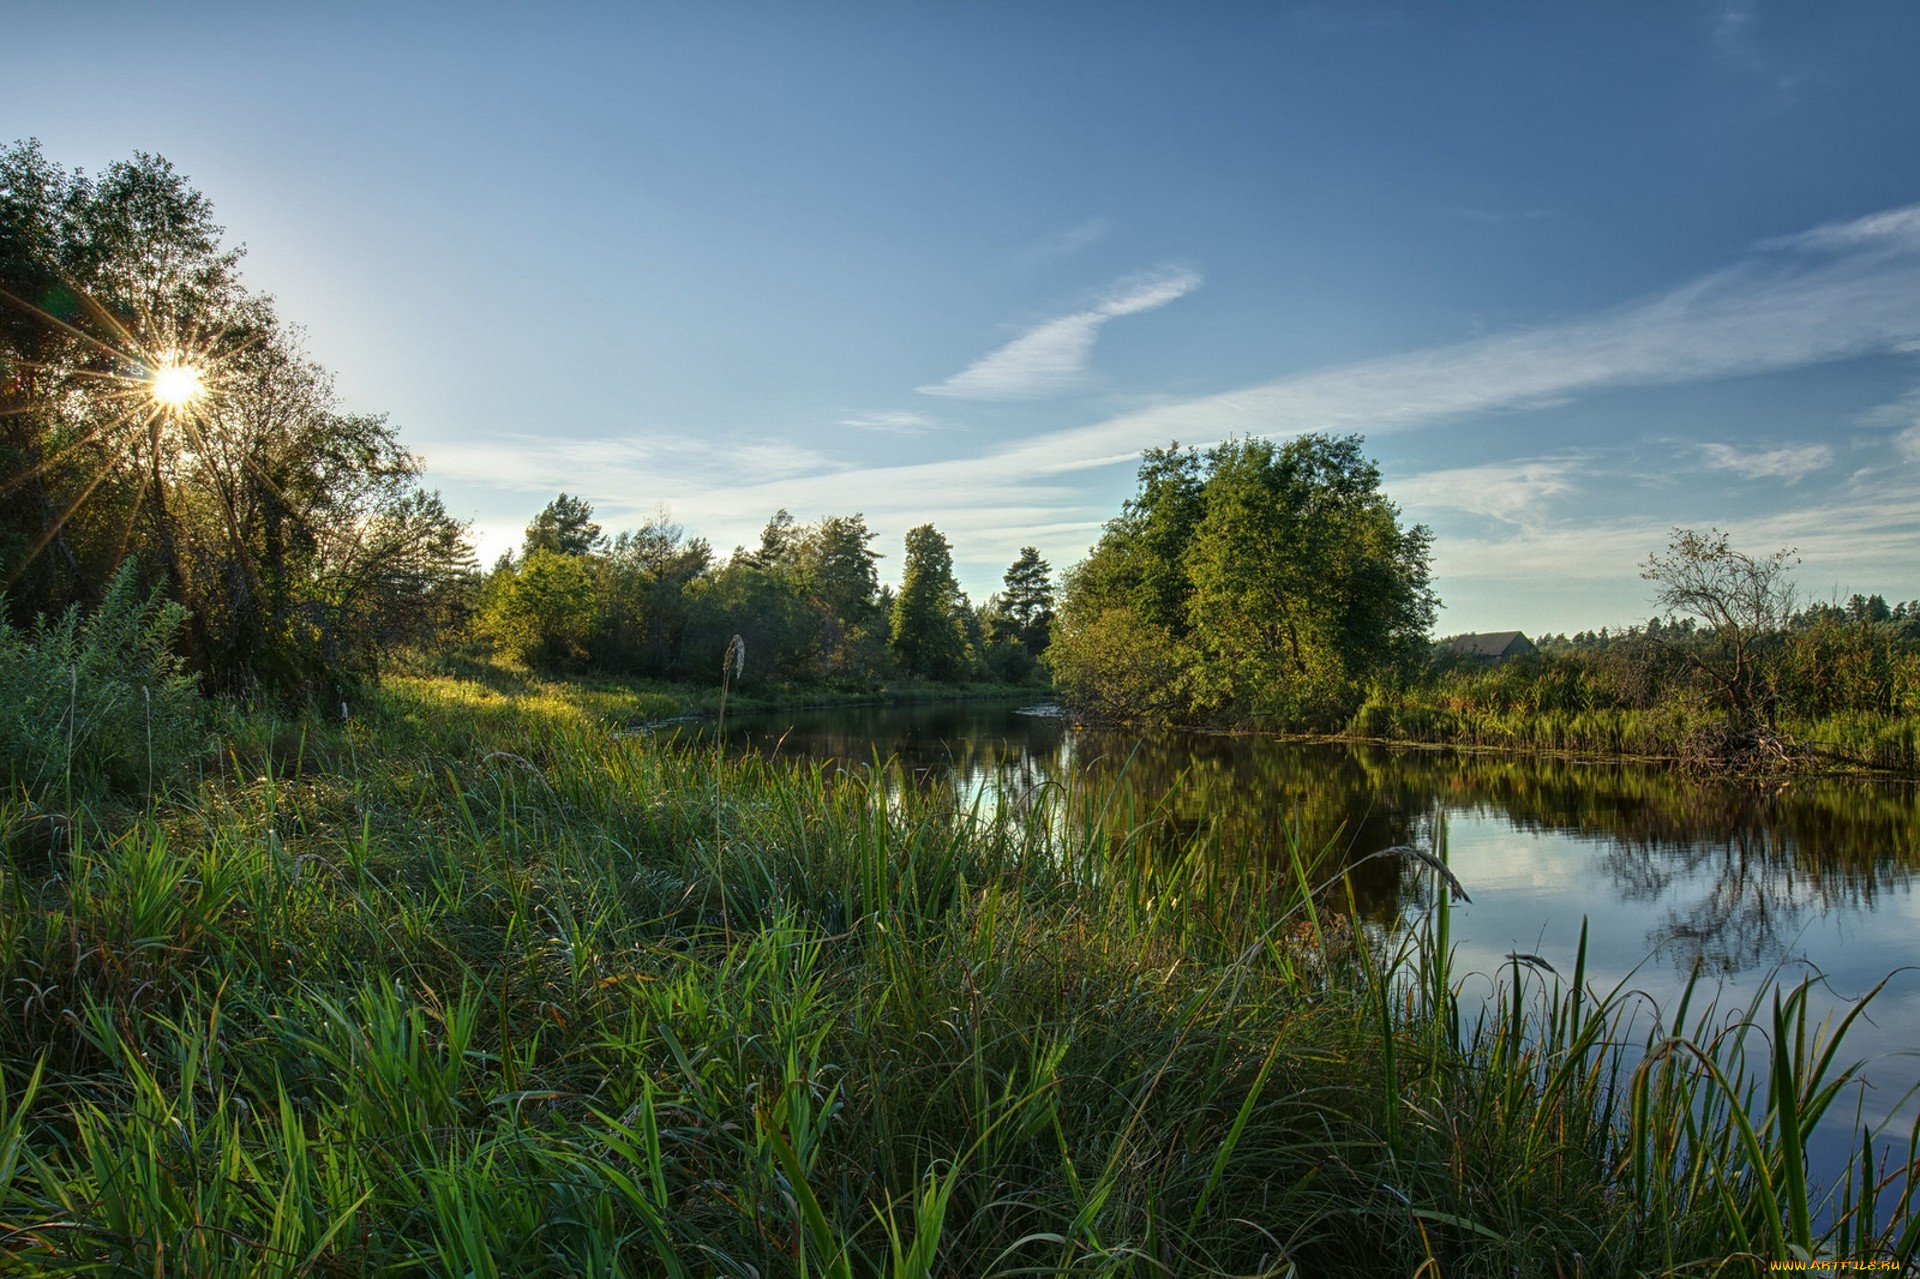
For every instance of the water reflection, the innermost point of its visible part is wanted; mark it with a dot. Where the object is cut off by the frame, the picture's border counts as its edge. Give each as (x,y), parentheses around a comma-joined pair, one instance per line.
(1727,877)
(1668,873)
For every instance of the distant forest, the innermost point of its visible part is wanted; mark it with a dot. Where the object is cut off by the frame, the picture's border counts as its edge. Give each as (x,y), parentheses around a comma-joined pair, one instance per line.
(807,603)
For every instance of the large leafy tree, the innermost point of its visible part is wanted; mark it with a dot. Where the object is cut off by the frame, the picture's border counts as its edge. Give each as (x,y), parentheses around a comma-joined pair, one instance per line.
(1304,584)
(294,533)
(541,611)
(1258,582)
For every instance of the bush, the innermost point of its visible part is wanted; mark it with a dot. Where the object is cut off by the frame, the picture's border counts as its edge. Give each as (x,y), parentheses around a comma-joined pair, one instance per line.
(98,704)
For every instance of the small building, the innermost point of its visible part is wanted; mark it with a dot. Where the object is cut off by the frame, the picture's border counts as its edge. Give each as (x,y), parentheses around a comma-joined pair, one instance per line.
(1494,646)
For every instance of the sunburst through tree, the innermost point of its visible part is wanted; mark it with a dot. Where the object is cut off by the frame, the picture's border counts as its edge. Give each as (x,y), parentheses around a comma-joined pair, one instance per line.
(154,408)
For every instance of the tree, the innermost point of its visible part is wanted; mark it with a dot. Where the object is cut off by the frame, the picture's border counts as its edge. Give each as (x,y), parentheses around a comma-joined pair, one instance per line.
(642,596)
(1028,599)
(778,541)
(1744,603)
(564,526)
(541,611)
(295,534)
(1304,586)
(1257,582)
(927,636)
(837,568)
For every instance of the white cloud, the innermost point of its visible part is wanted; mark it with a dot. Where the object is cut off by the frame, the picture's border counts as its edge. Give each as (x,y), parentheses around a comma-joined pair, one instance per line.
(1784,308)
(1052,358)
(1513,492)
(1907,443)
(897,423)
(1791,464)
(1733,31)
(1893,228)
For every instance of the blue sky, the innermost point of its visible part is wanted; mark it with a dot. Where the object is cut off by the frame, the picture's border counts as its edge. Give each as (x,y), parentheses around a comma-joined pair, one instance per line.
(1579,273)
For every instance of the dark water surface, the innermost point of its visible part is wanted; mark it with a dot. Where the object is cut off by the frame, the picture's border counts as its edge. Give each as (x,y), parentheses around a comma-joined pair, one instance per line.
(1670,873)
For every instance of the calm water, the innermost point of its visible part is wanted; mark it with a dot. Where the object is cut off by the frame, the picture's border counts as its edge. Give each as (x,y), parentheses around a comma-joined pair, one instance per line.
(1670,873)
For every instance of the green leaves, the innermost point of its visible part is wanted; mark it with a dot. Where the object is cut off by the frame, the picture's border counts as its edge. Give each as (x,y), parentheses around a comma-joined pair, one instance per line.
(927,637)
(1275,578)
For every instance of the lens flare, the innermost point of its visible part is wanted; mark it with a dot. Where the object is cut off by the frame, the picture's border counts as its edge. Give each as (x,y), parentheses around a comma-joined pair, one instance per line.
(177,384)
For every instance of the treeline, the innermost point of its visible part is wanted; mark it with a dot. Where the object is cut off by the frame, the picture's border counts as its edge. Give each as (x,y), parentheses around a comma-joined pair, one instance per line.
(179,480)
(807,602)
(1271,585)
(1735,675)
(1828,666)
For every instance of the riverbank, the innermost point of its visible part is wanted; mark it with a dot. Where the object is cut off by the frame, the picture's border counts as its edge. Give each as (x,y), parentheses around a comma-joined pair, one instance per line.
(1704,744)
(1704,741)
(469,984)
(629,703)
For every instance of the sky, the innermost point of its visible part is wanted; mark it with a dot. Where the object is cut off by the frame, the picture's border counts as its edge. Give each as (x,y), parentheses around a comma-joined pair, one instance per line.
(1579,274)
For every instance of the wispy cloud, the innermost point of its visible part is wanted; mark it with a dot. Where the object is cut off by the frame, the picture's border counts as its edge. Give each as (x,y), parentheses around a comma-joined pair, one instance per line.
(1068,243)
(1784,307)
(616,465)
(1907,443)
(1791,464)
(1894,229)
(1514,492)
(1733,31)
(1053,357)
(897,423)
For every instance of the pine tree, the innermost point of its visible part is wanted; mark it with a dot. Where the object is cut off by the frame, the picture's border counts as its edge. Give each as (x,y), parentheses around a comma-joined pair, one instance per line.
(927,637)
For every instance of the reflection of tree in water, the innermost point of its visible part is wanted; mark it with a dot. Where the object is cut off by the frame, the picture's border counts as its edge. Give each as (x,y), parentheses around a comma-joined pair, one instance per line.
(1753,905)
(1765,862)
(1254,803)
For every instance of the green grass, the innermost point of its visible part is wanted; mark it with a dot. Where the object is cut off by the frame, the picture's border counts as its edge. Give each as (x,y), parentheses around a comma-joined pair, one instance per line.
(472,985)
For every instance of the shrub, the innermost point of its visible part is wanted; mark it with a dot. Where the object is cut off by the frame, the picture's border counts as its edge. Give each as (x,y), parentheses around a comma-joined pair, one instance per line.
(101,703)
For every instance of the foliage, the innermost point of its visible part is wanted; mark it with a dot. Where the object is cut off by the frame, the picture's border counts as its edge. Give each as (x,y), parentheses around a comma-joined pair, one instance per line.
(1272,583)
(928,637)
(1027,601)
(294,533)
(541,611)
(643,597)
(564,526)
(1733,678)
(98,703)
(1744,602)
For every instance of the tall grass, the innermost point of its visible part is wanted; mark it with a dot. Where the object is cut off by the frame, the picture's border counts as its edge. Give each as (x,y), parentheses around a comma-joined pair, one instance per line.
(482,996)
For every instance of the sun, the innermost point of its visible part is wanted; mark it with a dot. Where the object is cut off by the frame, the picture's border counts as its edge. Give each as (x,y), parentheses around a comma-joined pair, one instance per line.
(176,383)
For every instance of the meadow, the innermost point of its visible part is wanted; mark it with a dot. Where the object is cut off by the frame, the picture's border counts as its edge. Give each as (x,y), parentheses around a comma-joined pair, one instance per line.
(463,981)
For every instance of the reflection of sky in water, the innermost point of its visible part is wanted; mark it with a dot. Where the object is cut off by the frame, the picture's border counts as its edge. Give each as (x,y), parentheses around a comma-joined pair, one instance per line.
(1666,873)
(1531,889)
